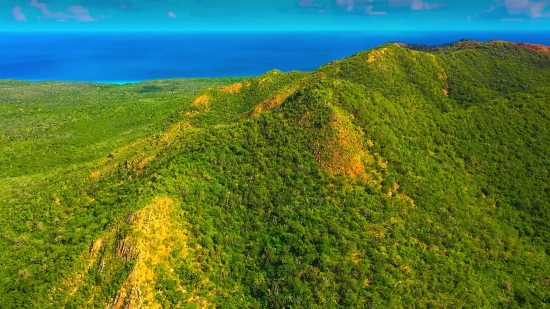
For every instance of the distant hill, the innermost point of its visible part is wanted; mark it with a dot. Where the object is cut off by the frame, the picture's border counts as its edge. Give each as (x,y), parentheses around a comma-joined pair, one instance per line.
(467,44)
(402,176)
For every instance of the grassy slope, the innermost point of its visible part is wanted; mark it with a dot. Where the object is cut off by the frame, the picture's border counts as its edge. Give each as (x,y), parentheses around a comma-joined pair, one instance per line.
(390,178)
(51,129)
(52,125)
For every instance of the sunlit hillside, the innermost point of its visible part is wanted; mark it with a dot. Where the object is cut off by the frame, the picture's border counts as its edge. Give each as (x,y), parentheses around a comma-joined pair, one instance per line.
(402,176)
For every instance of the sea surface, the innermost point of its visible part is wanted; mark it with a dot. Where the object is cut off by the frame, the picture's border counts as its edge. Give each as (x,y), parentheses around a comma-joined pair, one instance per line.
(133,57)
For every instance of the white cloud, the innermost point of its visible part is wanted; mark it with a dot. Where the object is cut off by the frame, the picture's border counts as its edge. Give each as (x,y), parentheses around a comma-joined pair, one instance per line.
(368,10)
(531,8)
(80,13)
(417,5)
(16,12)
(76,12)
(511,19)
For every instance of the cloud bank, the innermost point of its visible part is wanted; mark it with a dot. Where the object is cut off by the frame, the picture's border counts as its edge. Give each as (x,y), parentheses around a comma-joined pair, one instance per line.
(16,12)
(273,14)
(75,12)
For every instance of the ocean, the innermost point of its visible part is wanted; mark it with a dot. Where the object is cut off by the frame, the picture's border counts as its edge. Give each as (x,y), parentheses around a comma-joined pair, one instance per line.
(133,57)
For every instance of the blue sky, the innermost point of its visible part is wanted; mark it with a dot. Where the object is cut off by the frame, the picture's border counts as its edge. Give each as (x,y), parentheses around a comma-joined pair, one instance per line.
(278,15)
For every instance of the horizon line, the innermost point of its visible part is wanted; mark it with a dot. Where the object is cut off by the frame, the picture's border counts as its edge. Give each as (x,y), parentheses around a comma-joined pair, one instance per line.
(383,31)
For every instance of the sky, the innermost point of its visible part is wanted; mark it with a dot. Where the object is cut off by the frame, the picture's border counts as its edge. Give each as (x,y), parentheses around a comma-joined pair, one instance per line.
(274,15)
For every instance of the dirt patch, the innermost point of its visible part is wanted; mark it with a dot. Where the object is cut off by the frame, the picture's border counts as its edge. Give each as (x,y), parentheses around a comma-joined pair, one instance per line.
(395,186)
(179,126)
(152,228)
(376,54)
(95,175)
(201,101)
(344,154)
(144,162)
(356,257)
(138,154)
(191,114)
(382,163)
(232,88)
(367,282)
(534,47)
(405,197)
(264,80)
(285,93)
(200,104)
(154,239)
(156,243)
(276,100)
(401,196)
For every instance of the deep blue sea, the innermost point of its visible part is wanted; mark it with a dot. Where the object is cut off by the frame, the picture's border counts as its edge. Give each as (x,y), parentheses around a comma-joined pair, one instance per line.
(132,57)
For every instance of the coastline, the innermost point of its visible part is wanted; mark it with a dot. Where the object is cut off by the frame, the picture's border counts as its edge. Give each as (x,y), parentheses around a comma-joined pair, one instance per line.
(122,58)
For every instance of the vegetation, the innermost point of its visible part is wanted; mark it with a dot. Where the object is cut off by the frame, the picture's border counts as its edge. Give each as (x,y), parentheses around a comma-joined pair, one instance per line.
(392,178)
(65,124)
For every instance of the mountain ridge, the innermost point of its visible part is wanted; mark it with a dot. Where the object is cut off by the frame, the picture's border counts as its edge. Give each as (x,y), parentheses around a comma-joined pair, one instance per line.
(468,43)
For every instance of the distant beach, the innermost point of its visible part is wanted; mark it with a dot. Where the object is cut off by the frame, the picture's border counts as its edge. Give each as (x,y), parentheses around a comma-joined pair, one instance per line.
(121,58)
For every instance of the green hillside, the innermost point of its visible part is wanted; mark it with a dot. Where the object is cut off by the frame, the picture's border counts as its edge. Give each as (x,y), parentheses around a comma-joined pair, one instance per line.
(62,124)
(392,178)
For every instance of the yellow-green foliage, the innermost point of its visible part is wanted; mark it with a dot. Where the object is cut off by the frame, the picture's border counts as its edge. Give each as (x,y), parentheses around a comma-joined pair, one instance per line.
(392,178)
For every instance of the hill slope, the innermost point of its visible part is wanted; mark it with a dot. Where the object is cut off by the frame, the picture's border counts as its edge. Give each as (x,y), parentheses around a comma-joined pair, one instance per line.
(391,178)
(62,124)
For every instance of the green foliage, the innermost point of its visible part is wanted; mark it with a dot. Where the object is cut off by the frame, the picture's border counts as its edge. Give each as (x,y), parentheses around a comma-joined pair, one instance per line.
(452,211)
(48,125)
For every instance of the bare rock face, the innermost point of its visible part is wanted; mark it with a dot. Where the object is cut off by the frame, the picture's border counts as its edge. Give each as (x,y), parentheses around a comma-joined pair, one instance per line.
(535,47)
